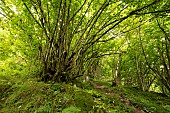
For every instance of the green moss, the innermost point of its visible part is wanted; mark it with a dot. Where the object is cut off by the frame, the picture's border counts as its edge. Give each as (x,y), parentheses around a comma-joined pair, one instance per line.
(149,101)
(30,96)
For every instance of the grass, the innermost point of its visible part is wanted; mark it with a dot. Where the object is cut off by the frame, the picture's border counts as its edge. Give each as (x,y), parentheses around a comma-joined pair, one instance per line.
(20,95)
(150,101)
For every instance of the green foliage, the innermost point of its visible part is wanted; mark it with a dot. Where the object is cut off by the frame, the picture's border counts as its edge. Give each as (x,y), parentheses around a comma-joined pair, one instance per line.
(57,41)
(71,110)
(84,100)
(150,101)
(28,95)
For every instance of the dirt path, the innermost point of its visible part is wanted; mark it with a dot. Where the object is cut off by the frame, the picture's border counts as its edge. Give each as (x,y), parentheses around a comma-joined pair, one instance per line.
(102,88)
(109,93)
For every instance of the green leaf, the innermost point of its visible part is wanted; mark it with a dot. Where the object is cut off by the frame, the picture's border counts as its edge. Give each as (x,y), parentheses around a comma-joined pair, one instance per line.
(71,109)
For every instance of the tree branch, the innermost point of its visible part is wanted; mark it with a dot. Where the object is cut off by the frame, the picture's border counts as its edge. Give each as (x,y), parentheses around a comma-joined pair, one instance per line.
(31,13)
(153,12)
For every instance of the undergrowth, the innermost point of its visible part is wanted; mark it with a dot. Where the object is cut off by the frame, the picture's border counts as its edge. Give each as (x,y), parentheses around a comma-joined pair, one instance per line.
(21,95)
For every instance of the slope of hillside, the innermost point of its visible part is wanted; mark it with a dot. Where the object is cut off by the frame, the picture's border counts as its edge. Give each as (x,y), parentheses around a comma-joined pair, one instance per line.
(30,96)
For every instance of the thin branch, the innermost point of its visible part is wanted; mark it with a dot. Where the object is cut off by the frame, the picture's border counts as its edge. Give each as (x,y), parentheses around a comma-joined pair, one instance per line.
(4,15)
(97,16)
(91,22)
(167,50)
(78,10)
(86,26)
(31,14)
(57,20)
(162,29)
(43,19)
(122,32)
(81,20)
(118,22)
(153,12)
(48,17)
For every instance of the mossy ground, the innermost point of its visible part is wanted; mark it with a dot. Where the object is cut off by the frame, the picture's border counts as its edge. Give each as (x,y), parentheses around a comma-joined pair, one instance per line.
(18,95)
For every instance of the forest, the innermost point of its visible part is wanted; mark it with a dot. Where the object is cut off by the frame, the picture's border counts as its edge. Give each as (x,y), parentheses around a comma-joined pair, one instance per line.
(84,56)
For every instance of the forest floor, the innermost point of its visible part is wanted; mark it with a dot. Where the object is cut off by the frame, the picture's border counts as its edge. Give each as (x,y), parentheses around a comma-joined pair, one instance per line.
(139,101)
(26,95)
(125,101)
